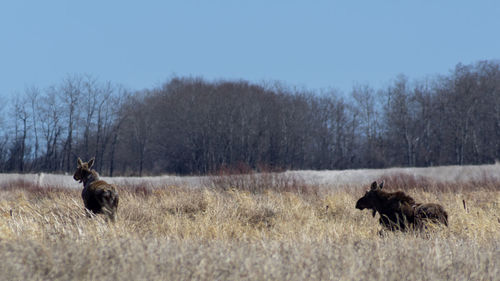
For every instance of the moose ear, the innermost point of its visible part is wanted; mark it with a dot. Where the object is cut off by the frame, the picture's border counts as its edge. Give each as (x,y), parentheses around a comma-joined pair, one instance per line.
(79,162)
(374,185)
(381,185)
(91,162)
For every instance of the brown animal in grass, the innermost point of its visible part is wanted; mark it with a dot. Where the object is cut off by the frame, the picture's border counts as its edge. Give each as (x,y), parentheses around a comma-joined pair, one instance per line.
(99,197)
(399,211)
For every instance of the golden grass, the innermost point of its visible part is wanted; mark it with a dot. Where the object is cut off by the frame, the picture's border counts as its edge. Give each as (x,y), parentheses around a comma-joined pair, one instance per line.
(178,233)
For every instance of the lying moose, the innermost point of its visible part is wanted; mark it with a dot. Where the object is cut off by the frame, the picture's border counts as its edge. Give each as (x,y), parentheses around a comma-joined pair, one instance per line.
(99,197)
(399,211)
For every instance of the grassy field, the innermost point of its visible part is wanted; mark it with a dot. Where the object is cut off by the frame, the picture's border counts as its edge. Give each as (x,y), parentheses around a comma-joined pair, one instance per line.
(257,227)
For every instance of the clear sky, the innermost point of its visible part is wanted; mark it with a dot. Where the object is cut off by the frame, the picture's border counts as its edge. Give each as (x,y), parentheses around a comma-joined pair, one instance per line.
(311,44)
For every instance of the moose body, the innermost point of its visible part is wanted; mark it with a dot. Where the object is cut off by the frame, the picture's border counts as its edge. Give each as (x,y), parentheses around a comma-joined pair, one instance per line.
(399,211)
(430,212)
(99,197)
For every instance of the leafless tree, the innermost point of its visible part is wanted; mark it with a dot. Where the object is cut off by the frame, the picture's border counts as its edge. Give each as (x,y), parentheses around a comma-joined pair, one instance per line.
(50,116)
(21,118)
(70,93)
(33,95)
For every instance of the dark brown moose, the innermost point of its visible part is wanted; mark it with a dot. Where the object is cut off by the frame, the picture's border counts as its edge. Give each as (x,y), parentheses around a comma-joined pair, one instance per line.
(399,211)
(99,197)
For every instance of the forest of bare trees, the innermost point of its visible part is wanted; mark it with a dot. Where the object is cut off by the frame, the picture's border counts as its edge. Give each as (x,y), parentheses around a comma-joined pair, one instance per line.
(193,126)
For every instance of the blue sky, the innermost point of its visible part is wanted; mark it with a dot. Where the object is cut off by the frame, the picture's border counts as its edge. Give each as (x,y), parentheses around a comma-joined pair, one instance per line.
(311,44)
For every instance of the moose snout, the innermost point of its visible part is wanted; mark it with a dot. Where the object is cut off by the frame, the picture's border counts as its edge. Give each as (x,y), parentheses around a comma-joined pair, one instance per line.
(77,178)
(359,205)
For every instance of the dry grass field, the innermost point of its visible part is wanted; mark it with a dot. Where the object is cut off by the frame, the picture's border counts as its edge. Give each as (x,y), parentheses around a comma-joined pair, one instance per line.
(257,227)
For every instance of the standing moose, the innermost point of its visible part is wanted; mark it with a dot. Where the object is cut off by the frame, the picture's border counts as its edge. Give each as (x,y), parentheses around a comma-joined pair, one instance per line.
(399,211)
(99,197)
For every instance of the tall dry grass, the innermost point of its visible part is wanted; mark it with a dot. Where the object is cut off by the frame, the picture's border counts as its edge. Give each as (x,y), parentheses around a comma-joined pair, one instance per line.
(236,228)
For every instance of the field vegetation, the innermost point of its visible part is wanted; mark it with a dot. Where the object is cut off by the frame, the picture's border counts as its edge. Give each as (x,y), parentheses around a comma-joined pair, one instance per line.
(269,226)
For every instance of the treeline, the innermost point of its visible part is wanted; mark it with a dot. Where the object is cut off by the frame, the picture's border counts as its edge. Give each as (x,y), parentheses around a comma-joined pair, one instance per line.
(194,126)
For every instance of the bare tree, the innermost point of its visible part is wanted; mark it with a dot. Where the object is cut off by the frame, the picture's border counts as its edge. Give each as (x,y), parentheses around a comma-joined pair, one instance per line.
(4,138)
(139,128)
(400,117)
(33,96)
(89,99)
(50,116)
(21,126)
(70,94)
(368,110)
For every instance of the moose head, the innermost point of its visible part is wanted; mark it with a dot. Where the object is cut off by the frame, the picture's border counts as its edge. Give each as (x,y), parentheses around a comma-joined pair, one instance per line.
(83,169)
(371,198)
